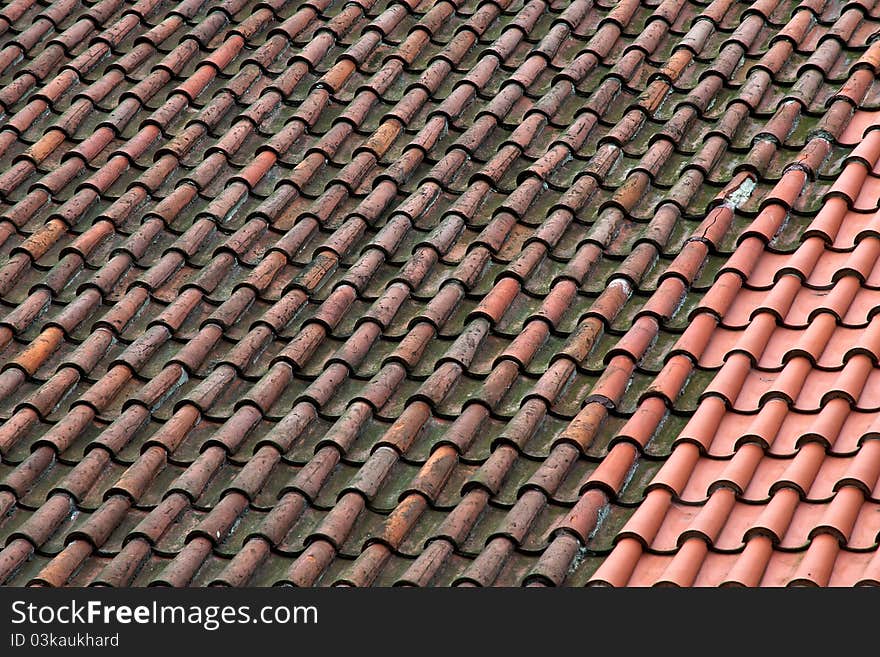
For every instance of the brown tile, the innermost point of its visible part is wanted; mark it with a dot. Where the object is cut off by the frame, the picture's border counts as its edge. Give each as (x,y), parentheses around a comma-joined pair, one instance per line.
(537,290)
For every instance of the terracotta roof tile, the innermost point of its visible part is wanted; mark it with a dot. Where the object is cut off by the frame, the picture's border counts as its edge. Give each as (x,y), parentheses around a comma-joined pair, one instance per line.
(439,293)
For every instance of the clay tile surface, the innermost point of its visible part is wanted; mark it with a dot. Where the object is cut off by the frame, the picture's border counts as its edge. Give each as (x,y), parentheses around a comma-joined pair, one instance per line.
(440,293)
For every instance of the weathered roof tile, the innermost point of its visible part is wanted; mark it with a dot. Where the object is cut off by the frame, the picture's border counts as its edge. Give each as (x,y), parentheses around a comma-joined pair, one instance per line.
(486,293)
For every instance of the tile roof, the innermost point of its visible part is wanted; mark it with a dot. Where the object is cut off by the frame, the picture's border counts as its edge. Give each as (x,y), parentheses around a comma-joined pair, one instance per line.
(483,292)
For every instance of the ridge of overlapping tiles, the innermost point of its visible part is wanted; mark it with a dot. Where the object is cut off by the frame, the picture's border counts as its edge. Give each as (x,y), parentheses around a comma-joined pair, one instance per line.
(780,462)
(309,319)
(772,481)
